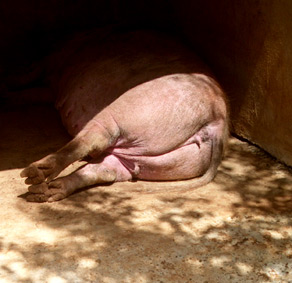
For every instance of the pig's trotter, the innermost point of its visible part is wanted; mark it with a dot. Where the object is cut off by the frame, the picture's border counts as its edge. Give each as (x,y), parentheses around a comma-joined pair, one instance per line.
(45,169)
(37,193)
(43,192)
(86,142)
(60,188)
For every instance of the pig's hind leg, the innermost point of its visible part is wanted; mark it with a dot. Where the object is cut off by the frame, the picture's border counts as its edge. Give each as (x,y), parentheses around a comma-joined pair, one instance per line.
(107,170)
(94,138)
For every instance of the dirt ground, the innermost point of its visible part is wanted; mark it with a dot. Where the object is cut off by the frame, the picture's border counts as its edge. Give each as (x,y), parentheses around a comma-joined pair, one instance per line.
(236,229)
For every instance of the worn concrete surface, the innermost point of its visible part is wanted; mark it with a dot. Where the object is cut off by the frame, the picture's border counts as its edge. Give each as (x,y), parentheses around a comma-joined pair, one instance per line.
(236,229)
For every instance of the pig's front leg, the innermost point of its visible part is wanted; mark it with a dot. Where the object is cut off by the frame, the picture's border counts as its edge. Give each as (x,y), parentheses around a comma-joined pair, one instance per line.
(92,139)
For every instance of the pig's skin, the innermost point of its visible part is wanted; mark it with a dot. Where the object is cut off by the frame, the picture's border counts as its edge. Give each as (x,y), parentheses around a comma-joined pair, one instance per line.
(143,107)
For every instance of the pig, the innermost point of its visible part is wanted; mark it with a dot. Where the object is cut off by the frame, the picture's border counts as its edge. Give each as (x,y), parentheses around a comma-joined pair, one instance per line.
(140,105)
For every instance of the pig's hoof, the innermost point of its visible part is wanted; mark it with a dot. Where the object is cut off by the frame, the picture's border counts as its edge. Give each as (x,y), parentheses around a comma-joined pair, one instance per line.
(37,198)
(41,170)
(37,193)
(57,190)
(43,192)
(34,175)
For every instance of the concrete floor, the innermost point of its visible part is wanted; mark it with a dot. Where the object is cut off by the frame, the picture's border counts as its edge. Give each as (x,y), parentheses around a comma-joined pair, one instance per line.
(236,229)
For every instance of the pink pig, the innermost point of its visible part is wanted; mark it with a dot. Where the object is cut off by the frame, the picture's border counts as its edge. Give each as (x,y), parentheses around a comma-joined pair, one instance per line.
(141,106)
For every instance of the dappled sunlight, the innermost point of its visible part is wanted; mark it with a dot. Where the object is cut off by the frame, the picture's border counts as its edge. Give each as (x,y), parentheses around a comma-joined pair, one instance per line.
(109,234)
(262,183)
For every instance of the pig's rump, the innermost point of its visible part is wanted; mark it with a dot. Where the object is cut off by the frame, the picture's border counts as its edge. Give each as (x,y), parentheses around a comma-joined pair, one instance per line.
(165,129)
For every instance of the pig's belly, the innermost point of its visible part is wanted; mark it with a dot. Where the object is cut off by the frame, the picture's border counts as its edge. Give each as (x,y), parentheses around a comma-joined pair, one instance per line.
(185,162)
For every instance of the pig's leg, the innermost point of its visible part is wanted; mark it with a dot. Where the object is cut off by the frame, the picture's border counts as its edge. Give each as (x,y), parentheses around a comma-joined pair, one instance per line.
(94,138)
(62,187)
(109,170)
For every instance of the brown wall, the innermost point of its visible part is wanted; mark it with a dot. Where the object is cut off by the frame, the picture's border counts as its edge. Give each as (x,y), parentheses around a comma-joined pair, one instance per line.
(248,44)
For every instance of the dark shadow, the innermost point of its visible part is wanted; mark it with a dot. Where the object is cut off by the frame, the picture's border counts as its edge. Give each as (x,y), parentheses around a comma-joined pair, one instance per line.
(241,248)
(28,133)
(264,184)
